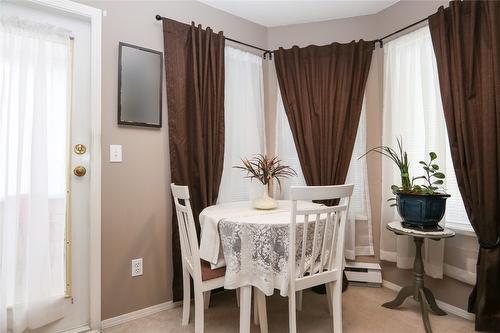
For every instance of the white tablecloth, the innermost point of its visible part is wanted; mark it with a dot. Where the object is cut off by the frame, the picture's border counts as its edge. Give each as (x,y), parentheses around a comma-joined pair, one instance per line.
(254,243)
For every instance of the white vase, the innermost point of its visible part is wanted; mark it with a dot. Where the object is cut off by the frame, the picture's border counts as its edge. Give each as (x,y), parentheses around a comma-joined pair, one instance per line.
(265,201)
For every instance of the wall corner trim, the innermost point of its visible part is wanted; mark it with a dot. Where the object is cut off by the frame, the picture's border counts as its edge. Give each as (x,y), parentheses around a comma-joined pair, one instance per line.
(124,318)
(445,306)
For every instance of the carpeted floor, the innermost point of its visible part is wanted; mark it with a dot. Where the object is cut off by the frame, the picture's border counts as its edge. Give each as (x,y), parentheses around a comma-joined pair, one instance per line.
(361,305)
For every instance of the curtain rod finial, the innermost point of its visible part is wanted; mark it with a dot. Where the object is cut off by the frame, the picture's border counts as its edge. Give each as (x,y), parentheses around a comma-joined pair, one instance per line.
(158,17)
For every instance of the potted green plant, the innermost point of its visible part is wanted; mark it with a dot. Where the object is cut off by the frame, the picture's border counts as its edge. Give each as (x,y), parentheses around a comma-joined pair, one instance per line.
(419,205)
(265,169)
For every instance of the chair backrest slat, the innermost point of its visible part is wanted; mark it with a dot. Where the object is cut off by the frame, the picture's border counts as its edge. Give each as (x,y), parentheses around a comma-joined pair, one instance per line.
(337,261)
(332,251)
(328,224)
(321,192)
(314,246)
(304,247)
(322,236)
(187,230)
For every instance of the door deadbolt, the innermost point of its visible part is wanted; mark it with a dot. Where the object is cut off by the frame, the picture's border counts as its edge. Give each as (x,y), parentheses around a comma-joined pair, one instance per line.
(80,149)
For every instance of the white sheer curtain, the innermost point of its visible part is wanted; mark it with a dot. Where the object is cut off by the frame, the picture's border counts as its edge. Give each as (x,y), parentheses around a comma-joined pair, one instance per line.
(413,110)
(34,63)
(244,122)
(287,152)
(359,240)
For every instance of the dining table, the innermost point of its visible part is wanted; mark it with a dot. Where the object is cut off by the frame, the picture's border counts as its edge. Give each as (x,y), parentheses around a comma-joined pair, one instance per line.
(253,245)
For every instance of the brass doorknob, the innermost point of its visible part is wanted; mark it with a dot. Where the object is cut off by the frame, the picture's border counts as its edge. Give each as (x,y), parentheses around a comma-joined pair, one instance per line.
(80,171)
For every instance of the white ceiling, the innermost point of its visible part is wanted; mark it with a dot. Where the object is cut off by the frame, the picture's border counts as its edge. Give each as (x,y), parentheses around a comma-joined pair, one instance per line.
(284,12)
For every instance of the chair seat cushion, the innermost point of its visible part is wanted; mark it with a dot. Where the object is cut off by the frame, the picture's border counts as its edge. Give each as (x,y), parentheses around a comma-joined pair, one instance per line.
(207,273)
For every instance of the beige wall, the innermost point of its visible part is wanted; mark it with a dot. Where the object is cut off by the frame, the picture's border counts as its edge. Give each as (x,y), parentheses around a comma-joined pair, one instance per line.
(136,210)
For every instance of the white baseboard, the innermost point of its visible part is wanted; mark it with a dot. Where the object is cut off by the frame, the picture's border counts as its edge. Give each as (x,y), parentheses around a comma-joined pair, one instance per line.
(79,329)
(365,250)
(460,274)
(445,306)
(388,256)
(138,314)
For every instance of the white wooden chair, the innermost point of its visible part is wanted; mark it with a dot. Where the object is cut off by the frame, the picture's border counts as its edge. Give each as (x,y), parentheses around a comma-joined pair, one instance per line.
(204,278)
(324,262)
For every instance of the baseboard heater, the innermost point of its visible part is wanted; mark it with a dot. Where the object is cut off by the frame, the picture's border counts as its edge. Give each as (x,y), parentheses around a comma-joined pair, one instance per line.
(364,274)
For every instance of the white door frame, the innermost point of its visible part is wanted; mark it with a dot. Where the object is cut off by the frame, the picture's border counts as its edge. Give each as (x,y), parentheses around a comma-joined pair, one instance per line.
(95,17)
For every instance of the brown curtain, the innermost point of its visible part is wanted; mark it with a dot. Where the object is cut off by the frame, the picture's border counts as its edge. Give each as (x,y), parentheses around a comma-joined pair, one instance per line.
(322,88)
(466,39)
(194,60)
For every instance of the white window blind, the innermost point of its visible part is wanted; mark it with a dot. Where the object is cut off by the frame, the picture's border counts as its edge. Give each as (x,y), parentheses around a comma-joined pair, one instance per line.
(456,215)
(244,123)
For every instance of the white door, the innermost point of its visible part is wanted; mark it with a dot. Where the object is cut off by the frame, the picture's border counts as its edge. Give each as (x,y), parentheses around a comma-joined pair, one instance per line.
(76,307)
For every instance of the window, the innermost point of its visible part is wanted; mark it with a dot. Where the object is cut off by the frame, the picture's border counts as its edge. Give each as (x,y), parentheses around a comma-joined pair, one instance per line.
(244,123)
(414,112)
(359,210)
(34,72)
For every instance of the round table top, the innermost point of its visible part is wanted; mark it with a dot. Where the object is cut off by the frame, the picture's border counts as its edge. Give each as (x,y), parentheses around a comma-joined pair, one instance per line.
(244,212)
(398,228)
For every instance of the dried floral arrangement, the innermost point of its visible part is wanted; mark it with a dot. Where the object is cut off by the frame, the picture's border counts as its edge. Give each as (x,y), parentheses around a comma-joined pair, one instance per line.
(264,169)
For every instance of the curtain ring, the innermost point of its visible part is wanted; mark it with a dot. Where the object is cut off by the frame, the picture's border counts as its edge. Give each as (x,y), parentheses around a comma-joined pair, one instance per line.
(490,247)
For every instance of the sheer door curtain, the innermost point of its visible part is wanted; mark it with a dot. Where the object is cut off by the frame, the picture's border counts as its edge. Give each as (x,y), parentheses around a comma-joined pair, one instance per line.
(34,69)
(413,111)
(244,117)
(359,239)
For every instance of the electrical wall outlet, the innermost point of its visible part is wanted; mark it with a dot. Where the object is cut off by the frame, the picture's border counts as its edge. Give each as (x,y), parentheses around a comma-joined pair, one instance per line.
(137,267)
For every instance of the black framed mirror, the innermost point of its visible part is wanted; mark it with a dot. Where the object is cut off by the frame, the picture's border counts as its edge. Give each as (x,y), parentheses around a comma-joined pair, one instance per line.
(139,86)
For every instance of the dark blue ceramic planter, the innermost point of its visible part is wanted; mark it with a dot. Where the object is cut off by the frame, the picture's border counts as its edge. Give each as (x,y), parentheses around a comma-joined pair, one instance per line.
(422,211)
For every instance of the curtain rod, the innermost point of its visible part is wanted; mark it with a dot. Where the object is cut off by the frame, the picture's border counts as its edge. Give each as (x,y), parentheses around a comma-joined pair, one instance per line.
(270,53)
(381,40)
(266,52)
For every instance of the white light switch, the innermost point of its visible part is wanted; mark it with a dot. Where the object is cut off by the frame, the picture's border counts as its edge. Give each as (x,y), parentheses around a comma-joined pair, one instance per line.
(115,153)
